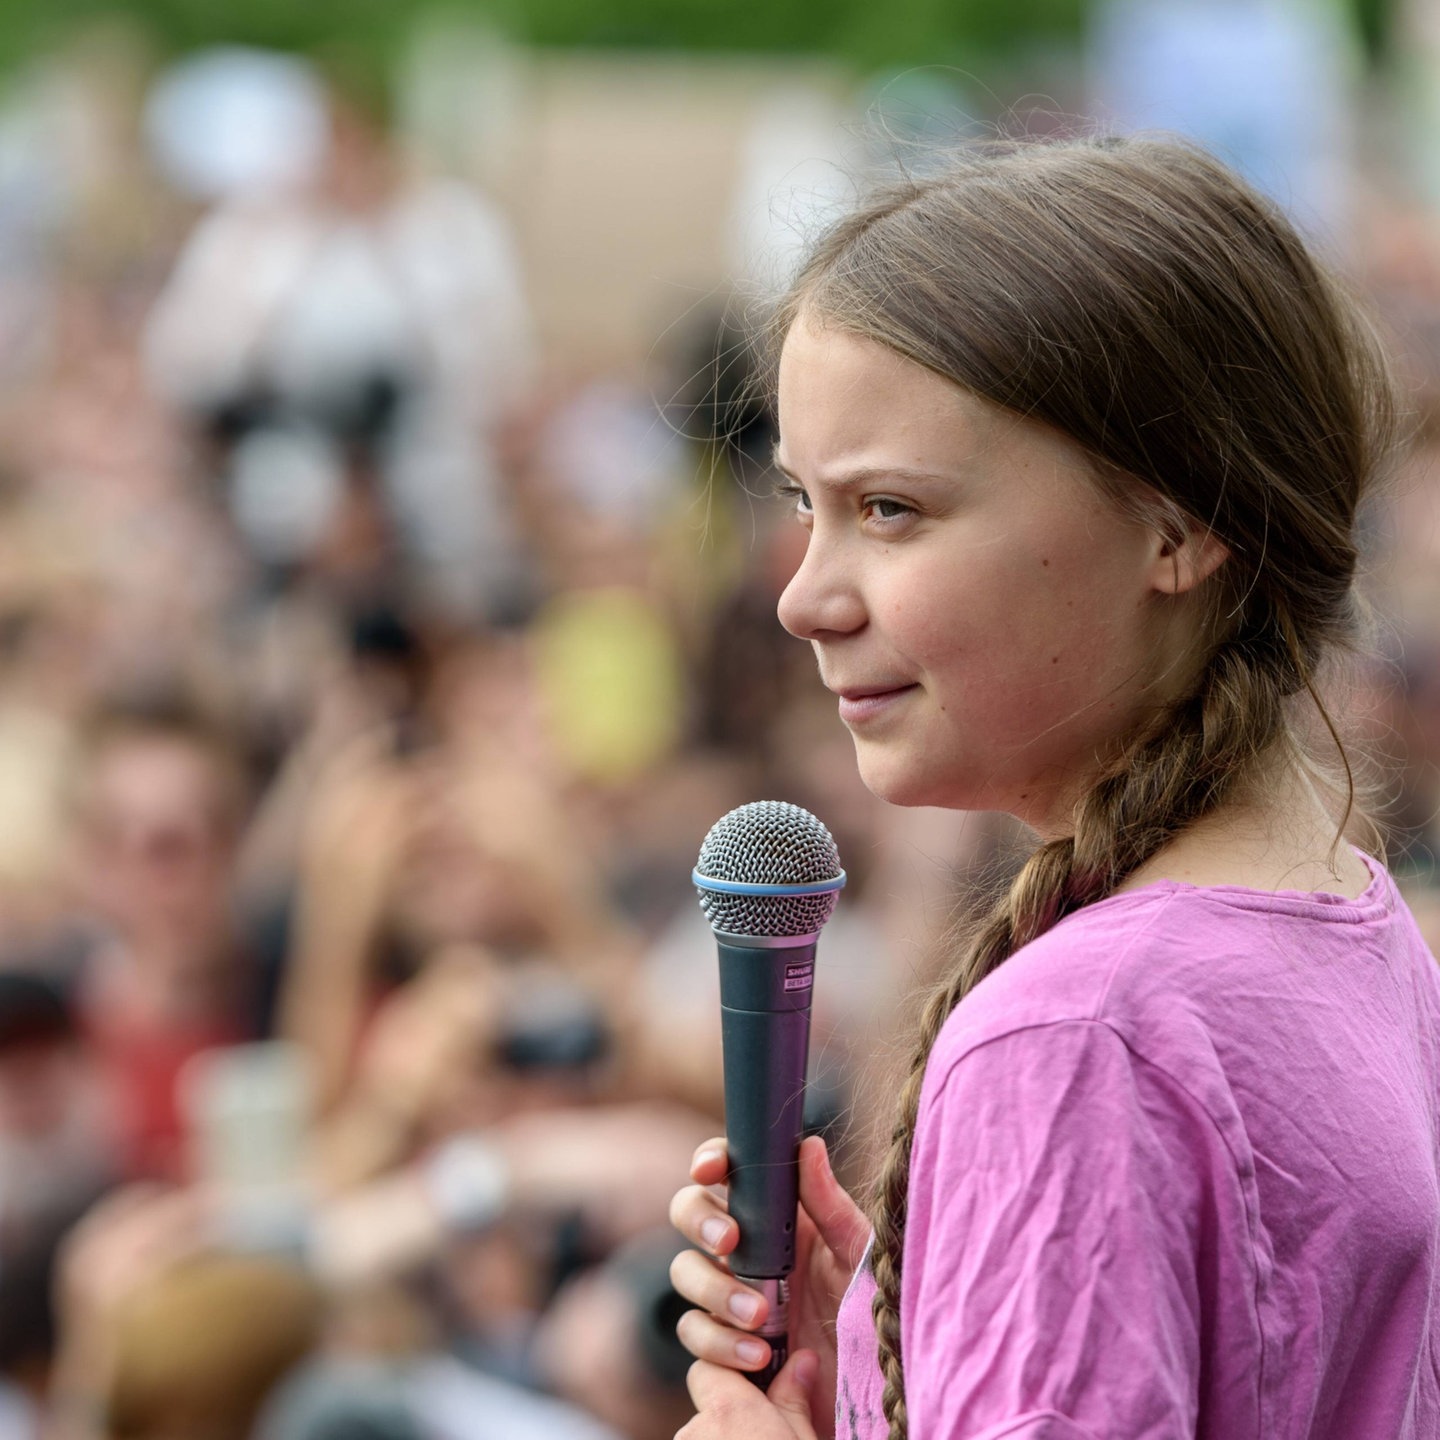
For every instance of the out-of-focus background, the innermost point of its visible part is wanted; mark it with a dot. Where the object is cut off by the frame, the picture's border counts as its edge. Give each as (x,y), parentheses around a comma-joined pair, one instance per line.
(387,594)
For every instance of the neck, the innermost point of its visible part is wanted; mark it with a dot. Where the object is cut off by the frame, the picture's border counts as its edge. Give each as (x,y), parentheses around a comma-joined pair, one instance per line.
(1278,834)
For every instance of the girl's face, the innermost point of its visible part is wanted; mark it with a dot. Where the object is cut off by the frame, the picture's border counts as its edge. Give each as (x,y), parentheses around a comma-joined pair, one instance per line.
(987,618)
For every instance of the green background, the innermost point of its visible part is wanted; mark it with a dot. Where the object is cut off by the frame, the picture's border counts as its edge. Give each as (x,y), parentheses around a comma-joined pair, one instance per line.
(872,34)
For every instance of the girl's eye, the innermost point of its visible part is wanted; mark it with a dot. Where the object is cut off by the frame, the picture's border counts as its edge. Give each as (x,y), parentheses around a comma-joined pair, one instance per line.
(794,495)
(884,509)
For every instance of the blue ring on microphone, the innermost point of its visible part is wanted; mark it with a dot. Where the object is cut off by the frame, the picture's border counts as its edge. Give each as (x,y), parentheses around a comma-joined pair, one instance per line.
(740,887)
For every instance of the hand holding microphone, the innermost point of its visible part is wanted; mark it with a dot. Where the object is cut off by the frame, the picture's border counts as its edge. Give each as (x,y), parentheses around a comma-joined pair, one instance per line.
(768,875)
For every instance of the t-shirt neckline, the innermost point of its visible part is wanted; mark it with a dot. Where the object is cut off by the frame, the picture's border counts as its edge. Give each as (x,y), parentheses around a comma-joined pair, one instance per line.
(1373,903)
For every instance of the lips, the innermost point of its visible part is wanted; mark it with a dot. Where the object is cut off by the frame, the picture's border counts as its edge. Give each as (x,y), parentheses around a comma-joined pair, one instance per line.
(867,702)
(863,692)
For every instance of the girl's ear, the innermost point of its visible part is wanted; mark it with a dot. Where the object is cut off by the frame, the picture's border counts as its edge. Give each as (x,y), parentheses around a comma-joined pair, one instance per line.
(1185,560)
(1186,551)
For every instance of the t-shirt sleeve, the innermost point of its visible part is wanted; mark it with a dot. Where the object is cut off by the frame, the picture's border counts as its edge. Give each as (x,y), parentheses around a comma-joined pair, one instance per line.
(1061,1191)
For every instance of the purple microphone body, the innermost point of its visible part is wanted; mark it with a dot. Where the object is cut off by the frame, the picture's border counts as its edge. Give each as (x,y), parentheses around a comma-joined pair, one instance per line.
(769,876)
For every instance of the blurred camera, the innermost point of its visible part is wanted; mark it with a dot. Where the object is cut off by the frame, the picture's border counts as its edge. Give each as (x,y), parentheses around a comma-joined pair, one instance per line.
(552,1024)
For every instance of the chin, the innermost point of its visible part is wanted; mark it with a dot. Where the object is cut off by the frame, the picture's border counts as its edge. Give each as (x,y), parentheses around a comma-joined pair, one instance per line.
(903,784)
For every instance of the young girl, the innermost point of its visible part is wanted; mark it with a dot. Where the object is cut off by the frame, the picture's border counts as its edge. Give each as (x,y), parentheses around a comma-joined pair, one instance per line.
(1079,432)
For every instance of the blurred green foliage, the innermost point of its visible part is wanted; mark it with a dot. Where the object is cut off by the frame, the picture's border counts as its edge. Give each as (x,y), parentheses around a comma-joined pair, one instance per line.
(868,33)
(864,31)
(362,35)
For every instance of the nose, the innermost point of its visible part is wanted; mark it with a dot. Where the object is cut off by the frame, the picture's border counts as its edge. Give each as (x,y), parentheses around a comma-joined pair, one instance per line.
(823,598)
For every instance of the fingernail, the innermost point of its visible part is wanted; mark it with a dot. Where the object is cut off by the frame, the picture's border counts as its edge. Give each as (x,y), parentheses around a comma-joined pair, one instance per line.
(709,1157)
(712,1232)
(752,1352)
(744,1306)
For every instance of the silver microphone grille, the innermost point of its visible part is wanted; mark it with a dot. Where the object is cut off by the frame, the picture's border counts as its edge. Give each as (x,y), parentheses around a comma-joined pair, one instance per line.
(768,842)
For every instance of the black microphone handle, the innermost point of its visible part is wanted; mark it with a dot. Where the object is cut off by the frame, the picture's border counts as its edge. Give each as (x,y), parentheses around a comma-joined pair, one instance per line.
(765,990)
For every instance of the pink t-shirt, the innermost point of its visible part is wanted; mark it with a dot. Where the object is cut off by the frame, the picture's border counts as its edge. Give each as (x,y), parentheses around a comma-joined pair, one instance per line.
(1177,1174)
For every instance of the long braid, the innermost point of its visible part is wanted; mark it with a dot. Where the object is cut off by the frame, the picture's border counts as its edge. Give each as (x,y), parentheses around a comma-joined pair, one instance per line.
(1180,770)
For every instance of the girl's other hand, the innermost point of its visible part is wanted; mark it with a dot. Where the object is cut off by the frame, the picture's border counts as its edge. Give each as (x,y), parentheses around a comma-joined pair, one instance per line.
(831,1235)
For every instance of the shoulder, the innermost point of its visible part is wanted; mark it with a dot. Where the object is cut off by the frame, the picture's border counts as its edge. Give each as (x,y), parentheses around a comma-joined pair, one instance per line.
(1090,967)
(1162,970)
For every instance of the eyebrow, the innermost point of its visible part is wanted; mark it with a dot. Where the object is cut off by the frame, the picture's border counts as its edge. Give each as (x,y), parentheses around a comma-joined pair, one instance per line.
(866,474)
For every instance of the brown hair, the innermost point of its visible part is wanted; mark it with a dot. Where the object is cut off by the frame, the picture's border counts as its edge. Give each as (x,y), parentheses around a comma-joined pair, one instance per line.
(1139,298)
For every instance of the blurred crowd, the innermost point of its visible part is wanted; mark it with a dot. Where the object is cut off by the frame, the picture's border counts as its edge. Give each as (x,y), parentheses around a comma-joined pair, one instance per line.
(368,680)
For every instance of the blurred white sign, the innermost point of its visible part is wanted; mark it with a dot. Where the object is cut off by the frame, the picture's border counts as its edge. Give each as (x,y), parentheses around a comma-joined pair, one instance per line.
(1268,85)
(233,121)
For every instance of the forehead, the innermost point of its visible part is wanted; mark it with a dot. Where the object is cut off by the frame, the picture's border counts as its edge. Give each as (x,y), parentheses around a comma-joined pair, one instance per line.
(846,401)
(842,397)
(151,774)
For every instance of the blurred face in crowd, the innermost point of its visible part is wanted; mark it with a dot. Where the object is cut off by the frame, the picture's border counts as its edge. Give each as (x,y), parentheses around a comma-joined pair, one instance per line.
(41,1085)
(985,615)
(52,1110)
(453,889)
(157,839)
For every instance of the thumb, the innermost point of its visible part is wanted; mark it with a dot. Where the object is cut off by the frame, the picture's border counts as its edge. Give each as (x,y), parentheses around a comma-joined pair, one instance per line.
(791,1390)
(841,1222)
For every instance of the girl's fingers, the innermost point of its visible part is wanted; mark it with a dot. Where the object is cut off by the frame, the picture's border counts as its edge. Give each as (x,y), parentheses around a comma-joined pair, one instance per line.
(707,1339)
(704,1283)
(711,1164)
(702,1219)
(699,1212)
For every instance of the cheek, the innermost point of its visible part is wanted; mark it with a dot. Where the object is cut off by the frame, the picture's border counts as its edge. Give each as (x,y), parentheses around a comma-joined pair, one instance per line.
(933,617)
(952,625)
(1014,646)
(1017,608)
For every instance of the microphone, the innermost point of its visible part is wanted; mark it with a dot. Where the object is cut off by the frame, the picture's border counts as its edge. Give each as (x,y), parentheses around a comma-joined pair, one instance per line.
(769,876)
